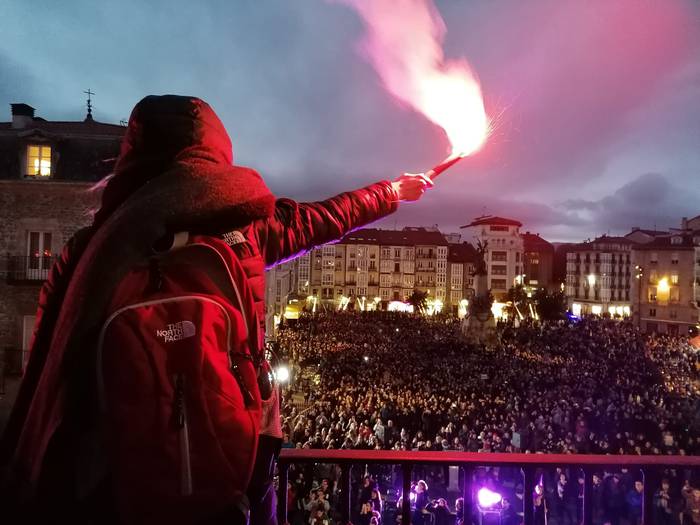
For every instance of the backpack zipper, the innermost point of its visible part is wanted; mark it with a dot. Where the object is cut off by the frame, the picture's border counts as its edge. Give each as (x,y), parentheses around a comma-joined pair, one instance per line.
(180,413)
(247,395)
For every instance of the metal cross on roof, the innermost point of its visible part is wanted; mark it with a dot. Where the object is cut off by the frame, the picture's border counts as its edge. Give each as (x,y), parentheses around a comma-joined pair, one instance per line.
(89,93)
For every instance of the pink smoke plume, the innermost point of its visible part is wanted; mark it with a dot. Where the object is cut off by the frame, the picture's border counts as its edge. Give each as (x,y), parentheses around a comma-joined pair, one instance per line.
(404,45)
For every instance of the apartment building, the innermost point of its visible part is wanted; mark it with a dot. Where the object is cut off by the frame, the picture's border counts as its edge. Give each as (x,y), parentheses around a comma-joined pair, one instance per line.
(538,261)
(461,262)
(504,256)
(666,287)
(368,267)
(598,276)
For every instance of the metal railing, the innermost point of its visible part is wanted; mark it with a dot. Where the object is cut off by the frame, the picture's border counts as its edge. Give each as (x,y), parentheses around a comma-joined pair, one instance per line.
(25,268)
(651,467)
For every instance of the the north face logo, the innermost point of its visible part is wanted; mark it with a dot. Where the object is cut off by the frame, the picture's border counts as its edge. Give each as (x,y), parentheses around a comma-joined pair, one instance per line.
(177,331)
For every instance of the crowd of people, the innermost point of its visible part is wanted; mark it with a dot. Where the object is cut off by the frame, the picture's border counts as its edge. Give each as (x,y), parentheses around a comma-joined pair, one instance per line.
(380,380)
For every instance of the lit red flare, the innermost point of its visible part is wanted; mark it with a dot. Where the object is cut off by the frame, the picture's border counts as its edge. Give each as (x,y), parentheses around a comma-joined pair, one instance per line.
(403,42)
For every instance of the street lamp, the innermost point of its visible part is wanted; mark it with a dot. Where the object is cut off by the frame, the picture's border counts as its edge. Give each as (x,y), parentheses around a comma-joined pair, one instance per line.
(639,273)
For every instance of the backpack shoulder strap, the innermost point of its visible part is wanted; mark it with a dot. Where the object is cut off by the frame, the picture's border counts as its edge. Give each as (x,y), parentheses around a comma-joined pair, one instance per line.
(227,273)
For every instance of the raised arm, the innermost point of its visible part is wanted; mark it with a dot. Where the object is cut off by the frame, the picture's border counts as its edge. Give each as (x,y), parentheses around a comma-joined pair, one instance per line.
(299,227)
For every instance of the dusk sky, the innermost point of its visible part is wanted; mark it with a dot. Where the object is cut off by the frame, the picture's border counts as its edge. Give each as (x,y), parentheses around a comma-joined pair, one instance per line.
(596,104)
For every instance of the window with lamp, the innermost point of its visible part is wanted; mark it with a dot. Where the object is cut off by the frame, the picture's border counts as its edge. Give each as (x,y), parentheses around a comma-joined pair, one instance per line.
(38,161)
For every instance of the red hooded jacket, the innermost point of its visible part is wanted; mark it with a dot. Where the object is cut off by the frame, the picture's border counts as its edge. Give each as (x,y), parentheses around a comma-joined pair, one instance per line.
(174,173)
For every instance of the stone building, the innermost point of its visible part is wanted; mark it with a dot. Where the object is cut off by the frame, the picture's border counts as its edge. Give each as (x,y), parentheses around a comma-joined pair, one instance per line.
(46,171)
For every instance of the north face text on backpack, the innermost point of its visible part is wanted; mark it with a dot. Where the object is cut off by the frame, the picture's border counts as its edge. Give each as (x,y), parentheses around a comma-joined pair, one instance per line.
(177,331)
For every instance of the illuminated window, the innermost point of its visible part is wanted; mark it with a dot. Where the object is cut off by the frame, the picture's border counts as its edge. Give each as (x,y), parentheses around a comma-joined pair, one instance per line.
(652,294)
(674,278)
(39,161)
(39,254)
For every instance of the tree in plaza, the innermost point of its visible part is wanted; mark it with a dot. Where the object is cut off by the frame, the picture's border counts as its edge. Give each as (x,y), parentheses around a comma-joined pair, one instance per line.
(419,301)
(550,306)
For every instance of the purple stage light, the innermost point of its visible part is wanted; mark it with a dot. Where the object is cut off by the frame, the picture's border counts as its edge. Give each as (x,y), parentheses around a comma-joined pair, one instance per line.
(488,498)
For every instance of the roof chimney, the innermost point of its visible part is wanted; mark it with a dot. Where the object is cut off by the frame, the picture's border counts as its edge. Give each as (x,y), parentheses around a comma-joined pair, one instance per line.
(22,114)
(684,223)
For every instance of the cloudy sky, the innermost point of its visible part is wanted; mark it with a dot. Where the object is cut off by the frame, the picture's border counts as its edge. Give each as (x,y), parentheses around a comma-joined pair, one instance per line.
(596,104)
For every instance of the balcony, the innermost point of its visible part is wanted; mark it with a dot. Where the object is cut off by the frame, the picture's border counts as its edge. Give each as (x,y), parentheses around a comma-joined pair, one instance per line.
(651,467)
(28,269)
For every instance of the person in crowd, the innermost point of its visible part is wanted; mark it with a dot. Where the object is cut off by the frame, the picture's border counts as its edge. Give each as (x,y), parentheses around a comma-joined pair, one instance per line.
(441,512)
(375,501)
(421,513)
(663,505)
(540,505)
(459,511)
(319,517)
(635,498)
(691,510)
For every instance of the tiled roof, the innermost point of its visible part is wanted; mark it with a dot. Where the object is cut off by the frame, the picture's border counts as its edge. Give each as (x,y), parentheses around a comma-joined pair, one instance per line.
(463,252)
(654,233)
(492,219)
(533,242)
(667,243)
(86,127)
(600,243)
(405,237)
(81,151)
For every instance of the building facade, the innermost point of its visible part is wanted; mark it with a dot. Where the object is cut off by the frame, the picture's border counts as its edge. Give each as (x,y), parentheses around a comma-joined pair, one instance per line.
(504,255)
(370,268)
(538,261)
(598,277)
(461,263)
(46,170)
(666,287)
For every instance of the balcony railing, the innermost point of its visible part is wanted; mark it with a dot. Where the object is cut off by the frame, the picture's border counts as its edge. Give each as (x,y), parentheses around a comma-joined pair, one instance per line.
(23,268)
(651,467)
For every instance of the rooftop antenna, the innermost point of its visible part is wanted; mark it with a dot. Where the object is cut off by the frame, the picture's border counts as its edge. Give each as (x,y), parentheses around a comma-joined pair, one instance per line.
(89,93)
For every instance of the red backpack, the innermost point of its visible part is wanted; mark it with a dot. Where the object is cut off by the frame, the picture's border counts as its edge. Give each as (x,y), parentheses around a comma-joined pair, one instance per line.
(177,366)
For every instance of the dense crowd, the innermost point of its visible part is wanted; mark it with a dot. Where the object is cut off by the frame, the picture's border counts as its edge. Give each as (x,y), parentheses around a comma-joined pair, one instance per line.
(377,380)
(394,381)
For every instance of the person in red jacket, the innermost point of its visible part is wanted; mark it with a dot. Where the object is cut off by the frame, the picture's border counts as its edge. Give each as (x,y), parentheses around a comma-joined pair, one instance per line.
(175,173)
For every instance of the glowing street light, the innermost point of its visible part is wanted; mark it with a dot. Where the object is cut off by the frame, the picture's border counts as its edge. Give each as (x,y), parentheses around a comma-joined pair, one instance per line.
(663,285)
(282,374)
(488,498)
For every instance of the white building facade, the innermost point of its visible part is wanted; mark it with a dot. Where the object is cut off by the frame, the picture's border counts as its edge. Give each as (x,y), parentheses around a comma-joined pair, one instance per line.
(504,255)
